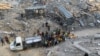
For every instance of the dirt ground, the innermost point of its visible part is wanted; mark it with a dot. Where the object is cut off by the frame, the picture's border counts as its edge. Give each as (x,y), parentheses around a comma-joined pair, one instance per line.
(5,51)
(56,50)
(86,32)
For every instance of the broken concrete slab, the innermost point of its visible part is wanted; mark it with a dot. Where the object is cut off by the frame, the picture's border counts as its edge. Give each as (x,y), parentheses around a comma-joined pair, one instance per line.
(76,44)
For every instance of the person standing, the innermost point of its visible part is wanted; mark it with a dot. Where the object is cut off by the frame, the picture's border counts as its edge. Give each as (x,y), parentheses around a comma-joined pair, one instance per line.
(86,54)
(48,27)
(7,40)
(2,41)
(46,24)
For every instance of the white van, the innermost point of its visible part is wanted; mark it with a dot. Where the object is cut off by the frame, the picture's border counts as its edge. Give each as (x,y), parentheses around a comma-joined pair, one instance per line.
(17,44)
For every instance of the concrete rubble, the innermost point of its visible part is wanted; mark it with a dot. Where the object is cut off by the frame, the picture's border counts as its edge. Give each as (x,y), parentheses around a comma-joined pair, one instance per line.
(25,17)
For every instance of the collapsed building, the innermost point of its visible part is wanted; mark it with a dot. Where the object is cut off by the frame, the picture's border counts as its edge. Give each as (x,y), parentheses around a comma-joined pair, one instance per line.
(84,13)
(64,17)
(4,8)
(32,12)
(68,14)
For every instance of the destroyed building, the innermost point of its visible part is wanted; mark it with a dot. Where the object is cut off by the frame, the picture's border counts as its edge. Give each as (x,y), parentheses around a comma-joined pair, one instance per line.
(25,17)
(31,12)
(77,14)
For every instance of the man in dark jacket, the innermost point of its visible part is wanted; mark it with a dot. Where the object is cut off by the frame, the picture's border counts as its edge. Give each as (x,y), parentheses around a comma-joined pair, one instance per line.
(86,54)
(2,41)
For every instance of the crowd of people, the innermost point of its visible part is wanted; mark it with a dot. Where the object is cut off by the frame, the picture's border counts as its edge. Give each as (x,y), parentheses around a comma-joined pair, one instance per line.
(53,37)
(49,37)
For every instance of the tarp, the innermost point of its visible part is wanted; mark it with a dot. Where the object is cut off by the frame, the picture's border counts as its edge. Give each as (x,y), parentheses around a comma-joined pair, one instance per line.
(35,39)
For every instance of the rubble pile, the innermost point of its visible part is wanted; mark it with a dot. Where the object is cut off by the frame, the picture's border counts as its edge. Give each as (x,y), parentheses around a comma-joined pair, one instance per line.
(64,14)
(25,18)
(85,12)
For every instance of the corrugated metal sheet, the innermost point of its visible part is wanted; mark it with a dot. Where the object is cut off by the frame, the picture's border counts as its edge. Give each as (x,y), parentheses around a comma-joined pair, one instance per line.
(65,12)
